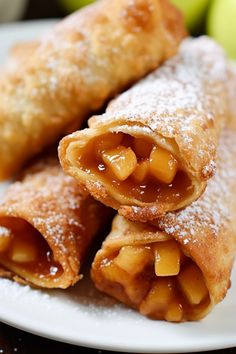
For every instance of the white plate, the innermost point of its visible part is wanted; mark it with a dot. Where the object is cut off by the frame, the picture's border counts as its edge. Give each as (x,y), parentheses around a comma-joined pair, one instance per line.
(84,317)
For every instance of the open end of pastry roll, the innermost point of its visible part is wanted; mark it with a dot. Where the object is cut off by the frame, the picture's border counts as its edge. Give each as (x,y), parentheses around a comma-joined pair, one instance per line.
(179,267)
(135,169)
(154,148)
(47,223)
(157,277)
(25,252)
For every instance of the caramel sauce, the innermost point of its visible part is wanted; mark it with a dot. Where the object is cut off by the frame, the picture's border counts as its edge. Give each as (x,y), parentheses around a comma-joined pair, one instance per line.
(150,190)
(44,265)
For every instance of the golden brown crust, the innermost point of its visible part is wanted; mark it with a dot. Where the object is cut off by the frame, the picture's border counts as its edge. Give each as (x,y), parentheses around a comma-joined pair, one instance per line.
(86,59)
(185,101)
(232,90)
(66,217)
(18,56)
(206,230)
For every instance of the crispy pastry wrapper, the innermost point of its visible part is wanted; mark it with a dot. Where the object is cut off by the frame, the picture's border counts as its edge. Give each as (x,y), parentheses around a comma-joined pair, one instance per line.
(205,232)
(73,70)
(18,56)
(50,223)
(181,107)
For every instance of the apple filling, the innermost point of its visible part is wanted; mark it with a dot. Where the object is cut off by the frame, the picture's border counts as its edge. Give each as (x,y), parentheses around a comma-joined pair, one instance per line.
(158,279)
(136,167)
(23,250)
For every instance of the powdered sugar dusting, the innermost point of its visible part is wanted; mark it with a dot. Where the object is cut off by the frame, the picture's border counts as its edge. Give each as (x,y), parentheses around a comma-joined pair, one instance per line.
(185,99)
(179,88)
(214,208)
(211,167)
(54,204)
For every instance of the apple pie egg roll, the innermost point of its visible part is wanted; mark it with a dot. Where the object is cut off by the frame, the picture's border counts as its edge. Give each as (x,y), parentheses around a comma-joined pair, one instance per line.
(154,148)
(73,70)
(46,226)
(178,269)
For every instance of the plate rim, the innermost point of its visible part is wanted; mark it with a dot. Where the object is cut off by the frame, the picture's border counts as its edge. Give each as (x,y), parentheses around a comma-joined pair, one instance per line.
(202,346)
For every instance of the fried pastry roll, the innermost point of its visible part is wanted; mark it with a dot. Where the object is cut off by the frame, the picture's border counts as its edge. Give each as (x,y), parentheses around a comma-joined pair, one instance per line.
(46,226)
(71,72)
(178,269)
(154,148)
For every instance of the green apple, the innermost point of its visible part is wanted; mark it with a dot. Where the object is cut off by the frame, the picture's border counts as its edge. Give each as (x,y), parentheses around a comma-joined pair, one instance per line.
(221,24)
(193,11)
(73,5)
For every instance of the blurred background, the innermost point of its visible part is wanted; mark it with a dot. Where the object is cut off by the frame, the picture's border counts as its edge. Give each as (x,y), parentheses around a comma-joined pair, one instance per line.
(216,18)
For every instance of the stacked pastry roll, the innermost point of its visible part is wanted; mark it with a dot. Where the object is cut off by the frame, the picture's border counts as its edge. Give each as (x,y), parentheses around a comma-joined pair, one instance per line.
(164,153)
(155,147)
(48,87)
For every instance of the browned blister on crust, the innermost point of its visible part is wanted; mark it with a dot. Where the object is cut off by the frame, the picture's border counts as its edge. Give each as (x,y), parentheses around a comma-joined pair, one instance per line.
(50,223)
(73,70)
(171,120)
(192,252)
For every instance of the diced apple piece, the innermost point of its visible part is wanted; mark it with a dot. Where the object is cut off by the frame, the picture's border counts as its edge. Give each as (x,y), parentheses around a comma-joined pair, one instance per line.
(167,258)
(23,252)
(158,298)
(122,161)
(142,148)
(133,259)
(141,171)
(174,312)
(5,239)
(108,141)
(112,273)
(192,284)
(163,165)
